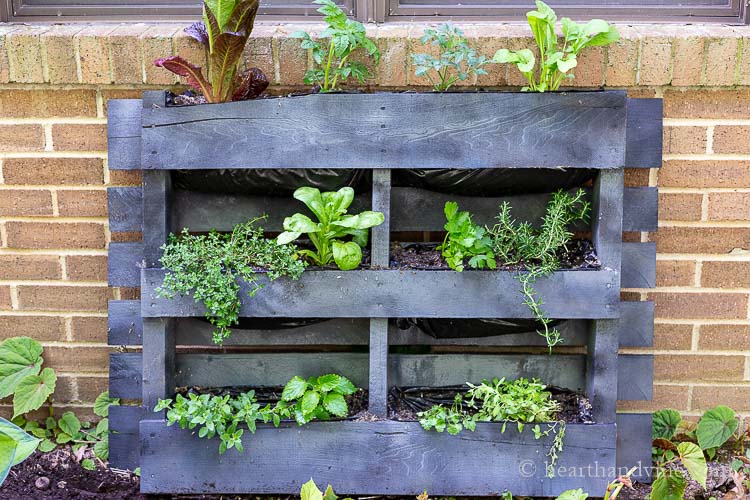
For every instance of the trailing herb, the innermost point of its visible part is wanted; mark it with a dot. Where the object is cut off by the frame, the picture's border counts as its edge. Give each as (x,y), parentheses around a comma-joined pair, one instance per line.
(456,62)
(522,402)
(333,225)
(332,62)
(555,61)
(224,31)
(465,240)
(315,398)
(208,266)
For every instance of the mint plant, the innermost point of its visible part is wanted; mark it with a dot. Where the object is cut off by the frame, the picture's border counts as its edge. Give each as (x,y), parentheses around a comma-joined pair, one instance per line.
(555,61)
(457,60)
(465,241)
(208,266)
(453,419)
(224,31)
(22,376)
(333,225)
(333,63)
(315,398)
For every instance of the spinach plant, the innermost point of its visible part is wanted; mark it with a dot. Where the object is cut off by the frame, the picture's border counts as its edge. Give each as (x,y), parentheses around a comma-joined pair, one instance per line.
(465,240)
(207,266)
(333,63)
(224,31)
(315,398)
(22,376)
(555,61)
(333,224)
(457,60)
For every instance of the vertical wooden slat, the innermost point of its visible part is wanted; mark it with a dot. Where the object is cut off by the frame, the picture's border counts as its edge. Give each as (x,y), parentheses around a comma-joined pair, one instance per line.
(601,372)
(158,360)
(380,246)
(156,214)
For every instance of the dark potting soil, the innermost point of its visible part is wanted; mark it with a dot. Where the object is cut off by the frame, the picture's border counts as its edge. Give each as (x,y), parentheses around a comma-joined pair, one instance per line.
(579,254)
(58,475)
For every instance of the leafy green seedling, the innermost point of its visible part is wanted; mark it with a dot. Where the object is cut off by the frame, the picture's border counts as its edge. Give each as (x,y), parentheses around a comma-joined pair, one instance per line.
(465,241)
(315,398)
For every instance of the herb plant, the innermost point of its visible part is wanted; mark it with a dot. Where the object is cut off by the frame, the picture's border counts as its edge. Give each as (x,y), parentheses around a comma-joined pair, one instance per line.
(465,240)
(224,31)
(453,419)
(22,376)
(555,61)
(208,267)
(457,60)
(333,225)
(315,398)
(333,63)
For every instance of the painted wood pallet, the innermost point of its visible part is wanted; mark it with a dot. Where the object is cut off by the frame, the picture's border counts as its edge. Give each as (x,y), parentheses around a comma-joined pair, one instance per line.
(167,343)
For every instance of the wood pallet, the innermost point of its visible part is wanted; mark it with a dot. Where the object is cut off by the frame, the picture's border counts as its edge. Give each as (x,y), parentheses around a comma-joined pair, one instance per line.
(595,130)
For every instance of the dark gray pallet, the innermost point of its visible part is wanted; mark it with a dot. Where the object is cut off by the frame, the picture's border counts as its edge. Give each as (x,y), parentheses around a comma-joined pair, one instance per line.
(634,445)
(389,458)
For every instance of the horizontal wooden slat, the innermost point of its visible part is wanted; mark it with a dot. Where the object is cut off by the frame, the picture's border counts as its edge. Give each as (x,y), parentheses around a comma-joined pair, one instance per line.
(392,130)
(124,442)
(637,324)
(638,265)
(125,375)
(125,207)
(635,376)
(124,134)
(124,264)
(644,133)
(634,445)
(396,294)
(124,323)
(411,209)
(382,458)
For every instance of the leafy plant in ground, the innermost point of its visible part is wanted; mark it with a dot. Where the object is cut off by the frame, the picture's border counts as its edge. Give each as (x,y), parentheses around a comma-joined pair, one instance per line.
(224,31)
(22,376)
(315,398)
(457,60)
(465,241)
(612,492)
(208,266)
(521,402)
(15,447)
(333,63)
(555,61)
(334,224)
(310,491)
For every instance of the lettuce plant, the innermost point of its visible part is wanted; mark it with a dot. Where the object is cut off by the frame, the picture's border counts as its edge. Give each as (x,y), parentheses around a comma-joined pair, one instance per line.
(224,31)
(333,225)
(554,61)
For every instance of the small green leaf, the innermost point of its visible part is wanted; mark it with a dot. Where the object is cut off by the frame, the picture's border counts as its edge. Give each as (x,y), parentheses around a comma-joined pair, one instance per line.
(573,495)
(329,382)
(310,491)
(694,461)
(69,423)
(88,464)
(101,449)
(19,358)
(670,486)
(25,444)
(346,255)
(63,438)
(665,424)
(33,391)
(716,426)
(8,447)
(329,494)
(103,402)
(336,404)
(46,446)
(310,401)
(294,389)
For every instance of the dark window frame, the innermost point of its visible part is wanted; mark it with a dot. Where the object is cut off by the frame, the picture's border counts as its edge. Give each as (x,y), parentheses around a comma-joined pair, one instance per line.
(733,12)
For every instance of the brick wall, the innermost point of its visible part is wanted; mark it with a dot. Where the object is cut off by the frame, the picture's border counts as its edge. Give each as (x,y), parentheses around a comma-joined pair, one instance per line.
(55,82)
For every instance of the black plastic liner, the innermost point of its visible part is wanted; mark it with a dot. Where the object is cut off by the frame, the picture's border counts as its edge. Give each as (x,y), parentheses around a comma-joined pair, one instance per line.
(492,182)
(272,323)
(441,328)
(268,182)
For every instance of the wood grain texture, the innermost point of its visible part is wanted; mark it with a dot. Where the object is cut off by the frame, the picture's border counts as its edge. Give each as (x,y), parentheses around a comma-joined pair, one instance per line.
(124,323)
(125,208)
(636,324)
(392,130)
(635,377)
(395,294)
(640,209)
(379,458)
(124,134)
(124,442)
(158,360)
(644,133)
(125,375)
(124,263)
(634,444)
(157,197)
(638,265)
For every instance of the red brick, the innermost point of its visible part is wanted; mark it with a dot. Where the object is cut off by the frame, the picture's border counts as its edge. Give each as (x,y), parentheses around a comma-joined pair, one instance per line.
(18,103)
(53,171)
(656,59)
(157,44)
(687,66)
(724,337)
(673,337)
(703,367)
(726,274)
(258,52)
(670,305)
(82,359)
(680,206)
(82,203)
(675,273)
(89,329)
(21,138)
(705,173)
(685,140)
(30,267)
(125,178)
(125,51)
(25,54)
(94,54)
(729,206)
(79,137)
(5,30)
(90,387)
(55,235)
(706,103)
(590,69)
(59,43)
(189,49)
(700,239)
(41,328)
(732,139)
(665,396)
(721,59)
(292,59)
(5,302)
(636,177)
(622,58)
(62,298)
(484,39)
(86,267)
(735,396)
(25,202)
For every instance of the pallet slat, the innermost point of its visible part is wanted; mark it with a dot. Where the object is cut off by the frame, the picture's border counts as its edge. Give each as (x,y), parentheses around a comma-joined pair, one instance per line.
(636,324)
(125,375)
(124,422)
(125,208)
(634,445)
(638,265)
(124,322)
(124,264)
(124,134)
(644,133)
(392,130)
(635,381)
(389,458)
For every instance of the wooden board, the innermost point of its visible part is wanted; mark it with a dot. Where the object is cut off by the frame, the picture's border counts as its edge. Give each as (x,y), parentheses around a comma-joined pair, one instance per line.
(635,381)
(378,458)
(124,449)
(124,264)
(638,265)
(124,322)
(644,133)
(398,294)
(634,445)
(125,375)
(125,208)
(392,130)
(124,134)
(636,324)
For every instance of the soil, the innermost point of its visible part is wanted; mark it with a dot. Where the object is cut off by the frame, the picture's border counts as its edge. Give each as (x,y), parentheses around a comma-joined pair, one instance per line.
(718,483)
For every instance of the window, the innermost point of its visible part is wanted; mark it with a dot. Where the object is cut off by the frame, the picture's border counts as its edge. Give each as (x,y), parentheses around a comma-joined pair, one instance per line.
(724,11)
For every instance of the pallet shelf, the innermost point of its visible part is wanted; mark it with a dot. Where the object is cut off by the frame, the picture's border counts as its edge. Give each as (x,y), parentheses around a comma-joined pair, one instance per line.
(603,131)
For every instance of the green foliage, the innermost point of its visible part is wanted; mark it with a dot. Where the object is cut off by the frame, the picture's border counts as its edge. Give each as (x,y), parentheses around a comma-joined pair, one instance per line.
(20,375)
(315,398)
(222,416)
(716,426)
(208,266)
(103,402)
(665,423)
(457,60)
(224,31)
(573,495)
(465,240)
(669,485)
(332,62)
(692,458)
(334,224)
(454,419)
(310,491)
(15,447)
(555,62)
